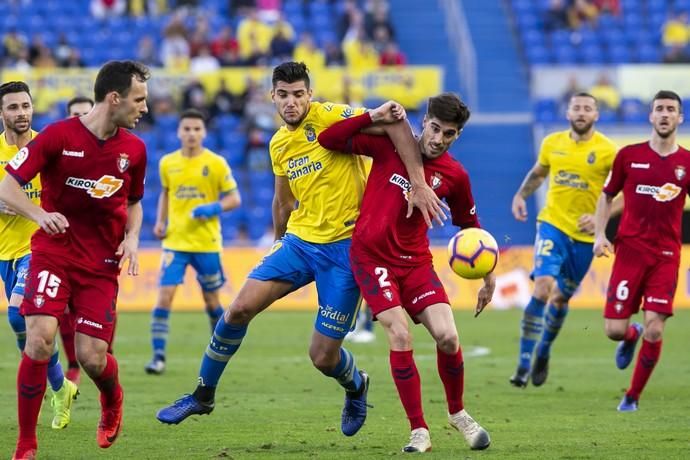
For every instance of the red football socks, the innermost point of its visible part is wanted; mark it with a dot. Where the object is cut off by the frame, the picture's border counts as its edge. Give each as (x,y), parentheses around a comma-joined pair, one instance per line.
(406,378)
(451,369)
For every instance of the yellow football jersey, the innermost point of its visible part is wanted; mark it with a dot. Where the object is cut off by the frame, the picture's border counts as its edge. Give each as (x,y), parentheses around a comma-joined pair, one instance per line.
(328,185)
(191,182)
(16,231)
(577,171)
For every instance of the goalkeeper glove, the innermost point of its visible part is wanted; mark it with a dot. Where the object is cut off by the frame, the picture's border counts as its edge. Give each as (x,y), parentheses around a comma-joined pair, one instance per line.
(206,211)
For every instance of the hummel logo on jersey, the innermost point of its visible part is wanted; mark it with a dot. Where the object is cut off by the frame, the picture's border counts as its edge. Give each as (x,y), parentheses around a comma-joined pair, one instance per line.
(72,153)
(666,192)
(105,187)
(639,165)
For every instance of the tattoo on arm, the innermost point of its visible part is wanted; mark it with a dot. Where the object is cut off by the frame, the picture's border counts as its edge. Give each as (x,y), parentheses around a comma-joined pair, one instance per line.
(530,184)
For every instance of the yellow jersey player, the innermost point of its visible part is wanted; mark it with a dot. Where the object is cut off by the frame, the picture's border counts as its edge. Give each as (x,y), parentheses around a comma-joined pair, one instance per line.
(316,203)
(16,108)
(196,187)
(577,162)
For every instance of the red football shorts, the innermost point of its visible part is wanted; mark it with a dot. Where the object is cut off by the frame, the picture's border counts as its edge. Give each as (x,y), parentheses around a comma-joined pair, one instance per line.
(636,277)
(53,283)
(387,286)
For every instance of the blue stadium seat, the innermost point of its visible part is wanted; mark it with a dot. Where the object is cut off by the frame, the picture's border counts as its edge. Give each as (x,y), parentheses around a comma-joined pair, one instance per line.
(658,6)
(560,38)
(633,111)
(565,54)
(546,110)
(613,36)
(649,53)
(227,122)
(607,116)
(532,37)
(619,54)
(538,55)
(592,54)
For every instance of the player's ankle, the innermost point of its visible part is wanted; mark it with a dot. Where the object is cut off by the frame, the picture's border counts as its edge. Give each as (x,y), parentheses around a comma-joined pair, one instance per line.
(205,394)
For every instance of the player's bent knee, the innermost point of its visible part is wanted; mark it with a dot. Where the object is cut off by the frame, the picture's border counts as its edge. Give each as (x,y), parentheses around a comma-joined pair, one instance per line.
(615,331)
(653,334)
(39,347)
(240,313)
(448,342)
(399,337)
(324,360)
(93,363)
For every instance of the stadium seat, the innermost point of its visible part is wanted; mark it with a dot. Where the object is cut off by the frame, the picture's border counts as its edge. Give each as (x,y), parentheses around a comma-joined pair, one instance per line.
(565,54)
(649,53)
(538,55)
(592,54)
(546,110)
(619,54)
(633,111)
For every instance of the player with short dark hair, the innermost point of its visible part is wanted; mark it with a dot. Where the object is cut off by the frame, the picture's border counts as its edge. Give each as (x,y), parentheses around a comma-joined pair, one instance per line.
(312,244)
(92,172)
(78,106)
(576,162)
(391,260)
(653,177)
(16,110)
(196,187)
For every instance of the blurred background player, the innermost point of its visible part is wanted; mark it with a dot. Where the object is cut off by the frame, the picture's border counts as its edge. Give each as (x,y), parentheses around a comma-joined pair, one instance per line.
(576,161)
(313,243)
(364,326)
(392,262)
(16,108)
(89,234)
(196,187)
(653,177)
(76,107)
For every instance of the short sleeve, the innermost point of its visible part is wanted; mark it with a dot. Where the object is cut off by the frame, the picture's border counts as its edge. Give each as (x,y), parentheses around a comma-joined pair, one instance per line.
(138,174)
(227,182)
(544,157)
(616,178)
(277,167)
(30,160)
(330,113)
(462,207)
(163,172)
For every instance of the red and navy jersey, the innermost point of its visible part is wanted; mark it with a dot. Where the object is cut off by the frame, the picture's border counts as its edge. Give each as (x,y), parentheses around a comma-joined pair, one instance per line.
(654,189)
(383,229)
(88,180)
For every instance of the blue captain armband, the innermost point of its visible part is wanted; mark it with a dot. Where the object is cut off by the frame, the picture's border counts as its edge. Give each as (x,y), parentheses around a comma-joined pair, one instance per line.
(207,210)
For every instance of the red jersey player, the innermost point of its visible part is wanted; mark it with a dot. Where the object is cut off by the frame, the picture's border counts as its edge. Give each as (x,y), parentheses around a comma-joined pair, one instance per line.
(654,179)
(92,173)
(391,260)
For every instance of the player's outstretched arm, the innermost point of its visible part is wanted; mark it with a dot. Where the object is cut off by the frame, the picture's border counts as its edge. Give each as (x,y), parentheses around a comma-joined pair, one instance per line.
(283,205)
(129,248)
(12,194)
(160,227)
(602,246)
(421,195)
(485,294)
(534,178)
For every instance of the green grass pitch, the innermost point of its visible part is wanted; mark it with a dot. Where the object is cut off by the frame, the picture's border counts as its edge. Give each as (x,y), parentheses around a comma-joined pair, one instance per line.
(273,404)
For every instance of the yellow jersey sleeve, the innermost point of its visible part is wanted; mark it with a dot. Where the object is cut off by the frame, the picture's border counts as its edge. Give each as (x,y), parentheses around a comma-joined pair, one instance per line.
(543,158)
(16,231)
(226,181)
(328,185)
(163,172)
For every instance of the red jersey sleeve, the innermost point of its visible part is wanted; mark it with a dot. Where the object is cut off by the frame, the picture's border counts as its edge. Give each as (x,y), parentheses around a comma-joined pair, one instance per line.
(461,202)
(614,183)
(30,160)
(136,190)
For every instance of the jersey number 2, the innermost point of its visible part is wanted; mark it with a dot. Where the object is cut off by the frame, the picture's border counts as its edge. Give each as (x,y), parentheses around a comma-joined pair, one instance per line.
(382,273)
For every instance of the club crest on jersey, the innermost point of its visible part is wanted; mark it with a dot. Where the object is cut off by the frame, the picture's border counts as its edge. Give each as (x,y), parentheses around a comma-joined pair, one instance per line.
(123,162)
(436,181)
(388,294)
(679,172)
(204,171)
(104,187)
(39,301)
(309,132)
(591,158)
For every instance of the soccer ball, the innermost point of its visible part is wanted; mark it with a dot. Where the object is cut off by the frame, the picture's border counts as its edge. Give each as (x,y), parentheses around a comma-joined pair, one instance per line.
(472,253)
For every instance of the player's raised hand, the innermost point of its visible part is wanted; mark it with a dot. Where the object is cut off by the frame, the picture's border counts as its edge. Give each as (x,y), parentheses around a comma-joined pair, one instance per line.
(128,251)
(429,204)
(388,112)
(485,294)
(52,223)
(519,208)
(586,224)
(159,230)
(602,246)
(4,209)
